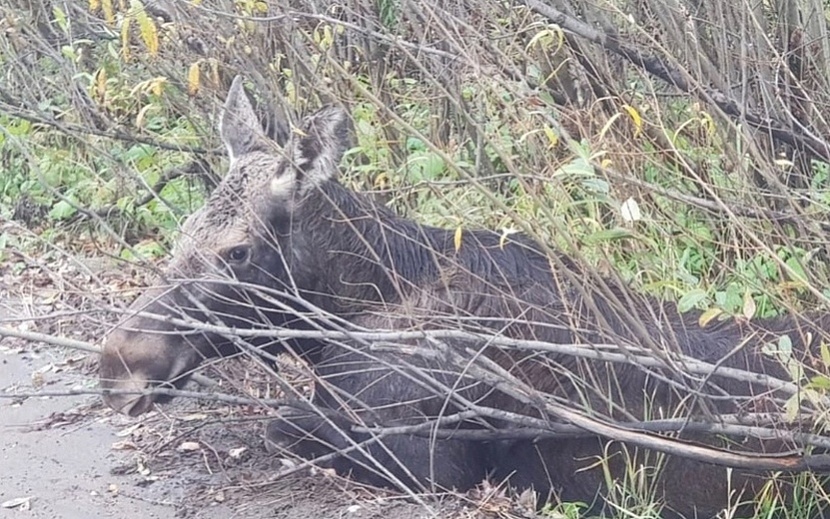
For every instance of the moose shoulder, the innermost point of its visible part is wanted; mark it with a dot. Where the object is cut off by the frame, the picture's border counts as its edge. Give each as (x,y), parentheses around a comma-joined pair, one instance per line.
(281,235)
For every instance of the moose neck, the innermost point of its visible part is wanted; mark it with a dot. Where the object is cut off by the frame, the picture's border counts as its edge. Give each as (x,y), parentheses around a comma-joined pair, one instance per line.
(350,253)
(345,245)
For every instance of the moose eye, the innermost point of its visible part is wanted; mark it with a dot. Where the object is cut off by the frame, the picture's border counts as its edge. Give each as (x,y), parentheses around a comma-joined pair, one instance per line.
(239,253)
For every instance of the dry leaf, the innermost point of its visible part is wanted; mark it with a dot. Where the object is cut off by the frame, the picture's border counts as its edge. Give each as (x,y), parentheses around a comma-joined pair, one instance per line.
(708,315)
(237,452)
(142,468)
(193,417)
(193,82)
(123,445)
(128,431)
(22,503)
(459,232)
(749,305)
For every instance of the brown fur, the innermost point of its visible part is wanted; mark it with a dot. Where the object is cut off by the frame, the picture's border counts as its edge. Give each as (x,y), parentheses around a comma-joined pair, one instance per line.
(293,231)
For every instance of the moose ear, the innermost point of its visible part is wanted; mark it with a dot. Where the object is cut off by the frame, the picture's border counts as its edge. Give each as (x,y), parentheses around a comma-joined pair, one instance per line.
(325,137)
(239,126)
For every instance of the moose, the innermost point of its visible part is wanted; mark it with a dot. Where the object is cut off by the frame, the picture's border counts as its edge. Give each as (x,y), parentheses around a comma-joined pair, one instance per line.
(282,244)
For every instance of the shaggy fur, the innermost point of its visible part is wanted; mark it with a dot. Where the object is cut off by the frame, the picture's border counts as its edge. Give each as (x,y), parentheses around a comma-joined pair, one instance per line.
(282,221)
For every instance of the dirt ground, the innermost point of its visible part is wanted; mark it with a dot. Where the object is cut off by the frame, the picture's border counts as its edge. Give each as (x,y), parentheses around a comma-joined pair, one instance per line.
(66,457)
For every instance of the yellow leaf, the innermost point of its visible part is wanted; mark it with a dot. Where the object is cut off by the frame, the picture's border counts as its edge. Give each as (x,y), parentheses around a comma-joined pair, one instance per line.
(156,85)
(109,13)
(380,180)
(193,79)
(546,37)
(552,137)
(125,38)
(707,316)
(505,233)
(214,71)
(457,240)
(148,30)
(749,305)
(707,122)
(635,117)
(784,163)
(328,37)
(791,285)
(101,84)
(139,119)
(607,125)
(94,5)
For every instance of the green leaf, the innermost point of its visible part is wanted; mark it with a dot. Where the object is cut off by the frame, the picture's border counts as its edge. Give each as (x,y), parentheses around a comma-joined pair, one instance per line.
(69,53)
(62,210)
(691,299)
(785,345)
(791,408)
(605,235)
(4,238)
(578,167)
(820,382)
(825,353)
(596,185)
(425,166)
(60,18)
(150,249)
(415,144)
(797,268)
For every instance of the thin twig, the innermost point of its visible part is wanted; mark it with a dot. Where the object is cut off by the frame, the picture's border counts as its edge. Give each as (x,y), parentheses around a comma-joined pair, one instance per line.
(730,425)
(497,377)
(163,391)
(600,352)
(79,345)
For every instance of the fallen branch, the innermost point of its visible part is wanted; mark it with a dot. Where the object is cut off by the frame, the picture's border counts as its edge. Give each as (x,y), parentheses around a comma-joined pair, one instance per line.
(495,376)
(163,391)
(729,425)
(599,352)
(80,346)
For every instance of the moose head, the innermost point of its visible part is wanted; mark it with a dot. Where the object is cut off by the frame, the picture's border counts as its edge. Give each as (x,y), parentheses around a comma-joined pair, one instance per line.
(251,237)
